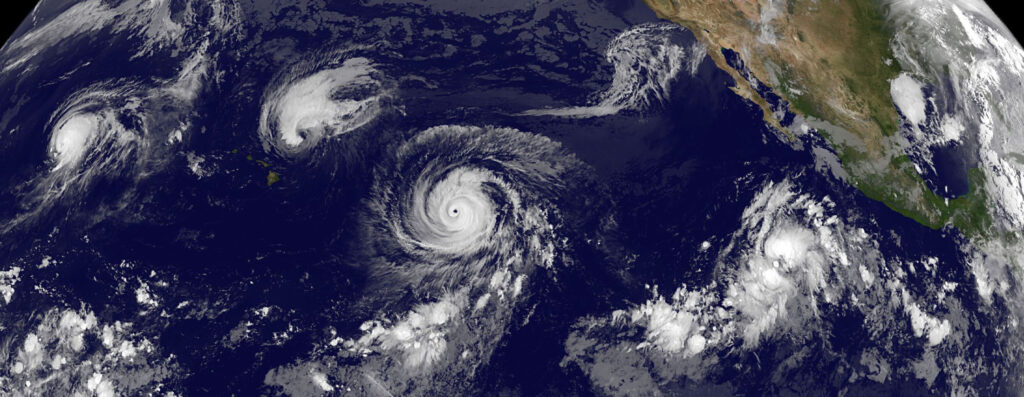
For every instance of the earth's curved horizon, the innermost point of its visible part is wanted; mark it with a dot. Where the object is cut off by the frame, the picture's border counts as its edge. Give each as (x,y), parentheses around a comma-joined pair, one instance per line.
(465,197)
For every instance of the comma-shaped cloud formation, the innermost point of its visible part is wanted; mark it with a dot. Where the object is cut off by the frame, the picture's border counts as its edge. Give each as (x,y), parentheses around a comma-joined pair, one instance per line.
(310,103)
(647,59)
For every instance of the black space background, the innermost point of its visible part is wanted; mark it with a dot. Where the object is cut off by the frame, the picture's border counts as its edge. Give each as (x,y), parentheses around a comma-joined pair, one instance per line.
(12,12)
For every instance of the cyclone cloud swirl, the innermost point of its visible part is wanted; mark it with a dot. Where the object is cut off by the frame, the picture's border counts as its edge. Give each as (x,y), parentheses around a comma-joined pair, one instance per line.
(460,220)
(88,137)
(310,102)
(116,132)
(460,199)
(96,134)
(647,60)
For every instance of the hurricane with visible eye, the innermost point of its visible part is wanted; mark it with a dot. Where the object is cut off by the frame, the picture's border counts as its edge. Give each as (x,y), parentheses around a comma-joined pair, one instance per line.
(464,197)
(457,213)
(309,102)
(462,217)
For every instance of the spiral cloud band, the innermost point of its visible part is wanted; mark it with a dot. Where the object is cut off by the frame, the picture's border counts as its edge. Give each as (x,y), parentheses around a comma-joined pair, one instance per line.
(461,198)
(304,108)
(647,60)
(471,214)
(88,138)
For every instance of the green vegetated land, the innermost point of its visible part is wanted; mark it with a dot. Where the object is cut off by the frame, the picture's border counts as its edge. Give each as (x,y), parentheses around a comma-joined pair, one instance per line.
(835,65)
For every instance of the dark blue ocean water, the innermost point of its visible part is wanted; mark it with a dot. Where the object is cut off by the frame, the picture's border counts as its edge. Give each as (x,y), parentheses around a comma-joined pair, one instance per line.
(663,182)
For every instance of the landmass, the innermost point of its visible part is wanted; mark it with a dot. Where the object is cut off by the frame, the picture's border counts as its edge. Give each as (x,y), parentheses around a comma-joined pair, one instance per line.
(272,176)
(832,62)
